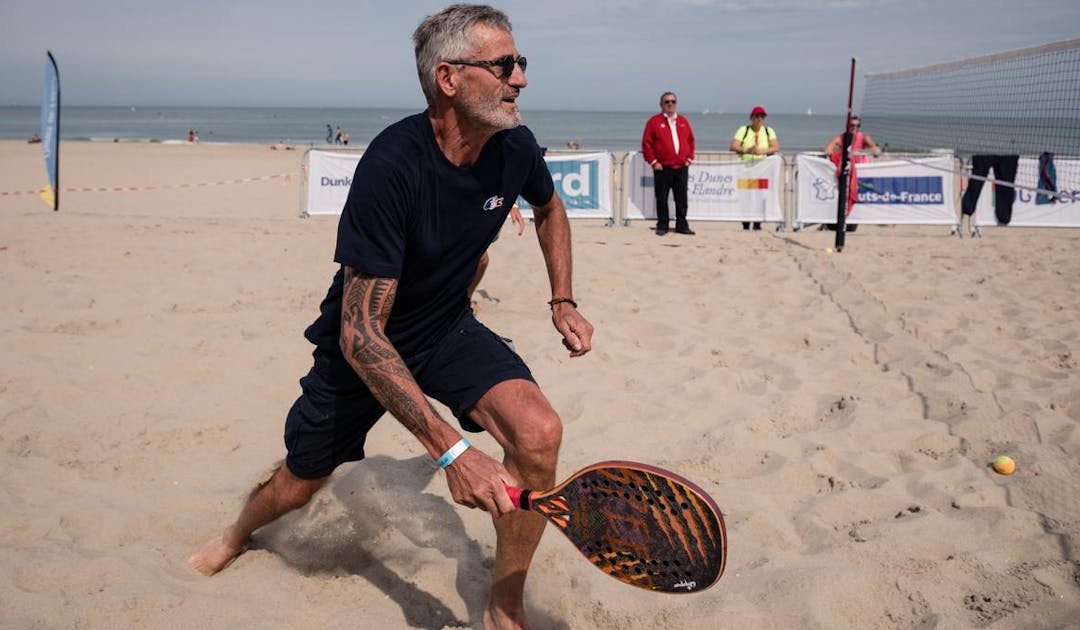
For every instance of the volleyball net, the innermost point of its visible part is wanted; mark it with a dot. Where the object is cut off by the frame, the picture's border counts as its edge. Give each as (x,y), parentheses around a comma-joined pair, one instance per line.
(1023,103)
(1019,102)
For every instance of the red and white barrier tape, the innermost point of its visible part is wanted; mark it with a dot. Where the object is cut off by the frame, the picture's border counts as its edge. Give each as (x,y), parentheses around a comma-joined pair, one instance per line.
(245,180)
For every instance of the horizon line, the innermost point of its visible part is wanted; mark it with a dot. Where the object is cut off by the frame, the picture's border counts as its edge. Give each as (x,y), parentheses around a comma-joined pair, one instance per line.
(706,112)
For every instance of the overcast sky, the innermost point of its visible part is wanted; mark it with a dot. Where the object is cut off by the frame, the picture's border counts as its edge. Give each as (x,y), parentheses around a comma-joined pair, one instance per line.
(722,55)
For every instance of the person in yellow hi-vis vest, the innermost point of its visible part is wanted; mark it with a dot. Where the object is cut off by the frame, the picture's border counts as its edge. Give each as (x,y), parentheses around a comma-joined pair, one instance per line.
(755,142)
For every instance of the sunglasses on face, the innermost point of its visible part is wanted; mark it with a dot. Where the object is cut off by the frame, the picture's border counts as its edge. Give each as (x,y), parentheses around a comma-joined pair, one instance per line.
(506,63)
(669,101)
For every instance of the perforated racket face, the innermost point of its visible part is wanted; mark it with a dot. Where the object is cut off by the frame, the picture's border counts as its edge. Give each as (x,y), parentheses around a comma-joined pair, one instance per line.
(642,525)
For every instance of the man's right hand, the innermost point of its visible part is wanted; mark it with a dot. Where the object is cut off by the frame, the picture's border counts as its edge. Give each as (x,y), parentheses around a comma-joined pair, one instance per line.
(658,167)
(478,481)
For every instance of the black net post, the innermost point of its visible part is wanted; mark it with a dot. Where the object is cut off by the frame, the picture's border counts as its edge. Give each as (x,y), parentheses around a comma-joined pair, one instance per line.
(844,175)
(842,179)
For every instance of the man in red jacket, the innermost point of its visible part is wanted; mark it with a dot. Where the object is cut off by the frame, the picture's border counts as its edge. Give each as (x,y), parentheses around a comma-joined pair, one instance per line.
(668,147)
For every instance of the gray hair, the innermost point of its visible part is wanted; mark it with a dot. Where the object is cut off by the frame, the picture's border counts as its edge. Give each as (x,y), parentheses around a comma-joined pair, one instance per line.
(448,35)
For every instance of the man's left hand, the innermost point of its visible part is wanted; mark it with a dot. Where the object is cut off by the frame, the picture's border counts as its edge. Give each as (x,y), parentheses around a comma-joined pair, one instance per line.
(575,329)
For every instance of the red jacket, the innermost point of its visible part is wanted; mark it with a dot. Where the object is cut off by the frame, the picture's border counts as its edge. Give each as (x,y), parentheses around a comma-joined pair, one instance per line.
(656,144)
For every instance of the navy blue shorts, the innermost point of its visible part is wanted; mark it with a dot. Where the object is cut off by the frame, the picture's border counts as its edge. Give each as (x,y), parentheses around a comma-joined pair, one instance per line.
(328,425)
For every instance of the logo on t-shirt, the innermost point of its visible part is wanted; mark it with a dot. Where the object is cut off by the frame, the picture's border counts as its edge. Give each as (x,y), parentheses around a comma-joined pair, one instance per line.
(492,203)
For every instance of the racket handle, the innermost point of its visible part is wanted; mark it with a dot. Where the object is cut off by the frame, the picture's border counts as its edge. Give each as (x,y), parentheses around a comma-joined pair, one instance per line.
(520,497)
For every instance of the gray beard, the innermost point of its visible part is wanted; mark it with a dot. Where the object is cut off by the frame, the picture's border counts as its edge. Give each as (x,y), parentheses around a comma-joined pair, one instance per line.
(492,118)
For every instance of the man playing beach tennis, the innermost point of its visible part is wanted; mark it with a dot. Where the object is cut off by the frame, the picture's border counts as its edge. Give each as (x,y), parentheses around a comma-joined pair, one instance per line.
(429,195)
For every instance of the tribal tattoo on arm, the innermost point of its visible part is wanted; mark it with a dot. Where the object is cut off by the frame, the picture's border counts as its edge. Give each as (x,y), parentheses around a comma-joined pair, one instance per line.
(366,305)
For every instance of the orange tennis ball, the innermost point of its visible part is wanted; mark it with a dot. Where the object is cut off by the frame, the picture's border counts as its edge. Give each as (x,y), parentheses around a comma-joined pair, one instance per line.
(1004,465)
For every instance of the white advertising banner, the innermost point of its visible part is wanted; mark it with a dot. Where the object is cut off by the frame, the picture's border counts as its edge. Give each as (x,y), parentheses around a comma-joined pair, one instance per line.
(329,177)
(1027,210)
(914,191)
(716,191)
(583,181)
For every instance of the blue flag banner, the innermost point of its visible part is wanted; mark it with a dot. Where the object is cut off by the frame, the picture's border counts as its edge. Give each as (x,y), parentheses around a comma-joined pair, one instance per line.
(50,132)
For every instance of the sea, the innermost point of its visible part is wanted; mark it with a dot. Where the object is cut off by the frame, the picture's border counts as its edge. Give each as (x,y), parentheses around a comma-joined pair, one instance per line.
(556,130)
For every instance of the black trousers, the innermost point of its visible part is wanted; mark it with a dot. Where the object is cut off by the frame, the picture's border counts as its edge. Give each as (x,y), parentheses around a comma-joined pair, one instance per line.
(1005,171)
(672,180)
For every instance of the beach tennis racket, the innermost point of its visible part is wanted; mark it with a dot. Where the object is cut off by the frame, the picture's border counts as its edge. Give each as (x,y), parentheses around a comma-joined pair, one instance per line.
(642,525)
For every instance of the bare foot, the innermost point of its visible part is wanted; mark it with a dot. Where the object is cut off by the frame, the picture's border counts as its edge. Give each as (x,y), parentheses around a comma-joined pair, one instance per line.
(499,619)
(214,556)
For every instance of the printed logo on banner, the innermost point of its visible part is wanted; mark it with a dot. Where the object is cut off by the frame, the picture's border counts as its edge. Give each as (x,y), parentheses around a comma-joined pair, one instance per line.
(824,189)
(1026,196)
(901,190)
(756,183)
(335,182)
(577,182)
(718,186)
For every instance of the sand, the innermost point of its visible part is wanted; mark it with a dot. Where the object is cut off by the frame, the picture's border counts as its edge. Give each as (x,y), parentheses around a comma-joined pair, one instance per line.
(842,409)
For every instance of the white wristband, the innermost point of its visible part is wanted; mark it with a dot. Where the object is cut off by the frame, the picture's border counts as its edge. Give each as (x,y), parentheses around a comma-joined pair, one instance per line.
(452,453)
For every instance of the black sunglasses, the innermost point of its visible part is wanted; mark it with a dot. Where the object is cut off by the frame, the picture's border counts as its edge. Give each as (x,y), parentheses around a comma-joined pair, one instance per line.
(506,62)
(668,100)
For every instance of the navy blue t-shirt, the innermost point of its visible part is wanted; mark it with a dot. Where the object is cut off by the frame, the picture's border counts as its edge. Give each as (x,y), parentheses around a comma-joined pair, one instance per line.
(414,216)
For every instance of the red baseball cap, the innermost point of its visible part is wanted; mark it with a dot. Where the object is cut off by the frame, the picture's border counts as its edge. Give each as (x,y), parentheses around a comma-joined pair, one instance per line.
(758,111)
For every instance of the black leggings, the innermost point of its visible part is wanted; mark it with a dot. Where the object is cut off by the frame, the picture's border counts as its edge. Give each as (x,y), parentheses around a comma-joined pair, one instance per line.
(1004,171)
